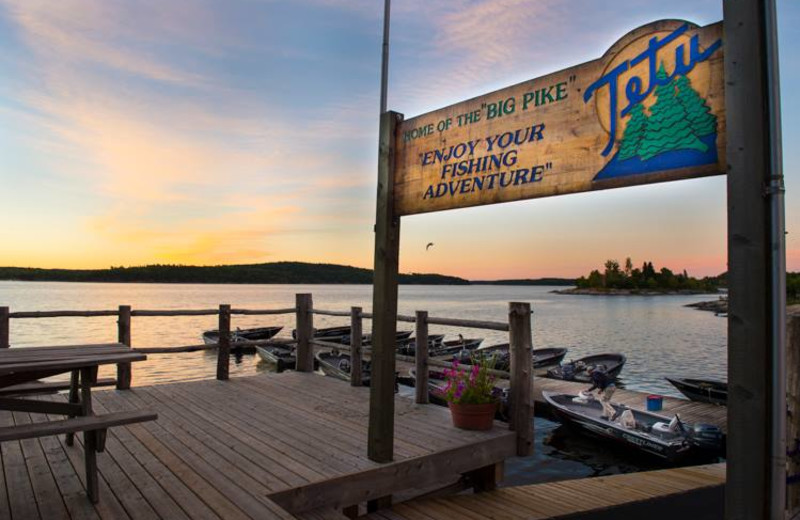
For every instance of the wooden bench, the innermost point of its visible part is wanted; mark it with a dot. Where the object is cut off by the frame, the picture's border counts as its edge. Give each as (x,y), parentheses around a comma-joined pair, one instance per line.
(94,429)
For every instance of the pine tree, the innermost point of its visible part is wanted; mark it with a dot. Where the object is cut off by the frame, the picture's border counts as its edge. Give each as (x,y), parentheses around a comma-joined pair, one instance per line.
(634,133)
(667,127)
(697,111)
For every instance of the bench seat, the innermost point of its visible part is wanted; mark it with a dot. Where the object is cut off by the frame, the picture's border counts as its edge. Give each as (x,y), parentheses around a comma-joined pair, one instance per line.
(94,429)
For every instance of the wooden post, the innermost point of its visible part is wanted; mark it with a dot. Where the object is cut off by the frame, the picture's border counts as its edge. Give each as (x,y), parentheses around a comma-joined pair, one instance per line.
(793,412)
(124,374)
(224,350)
(421,358)
(521,393)
(356,338)
(305,331)
(4,327)
(756,444)
(380,437)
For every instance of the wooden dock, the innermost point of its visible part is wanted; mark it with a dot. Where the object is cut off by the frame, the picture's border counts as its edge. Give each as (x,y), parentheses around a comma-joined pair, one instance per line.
(653,495)
(266,446)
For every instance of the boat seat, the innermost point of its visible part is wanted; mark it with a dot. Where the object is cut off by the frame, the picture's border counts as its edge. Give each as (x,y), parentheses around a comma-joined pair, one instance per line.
(661,427)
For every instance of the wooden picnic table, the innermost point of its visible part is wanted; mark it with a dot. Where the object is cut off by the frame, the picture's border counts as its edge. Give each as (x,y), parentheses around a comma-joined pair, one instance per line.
(19,366)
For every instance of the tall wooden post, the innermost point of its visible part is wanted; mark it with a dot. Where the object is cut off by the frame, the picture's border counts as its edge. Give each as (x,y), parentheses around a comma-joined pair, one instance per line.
(521,398)
(793,412)
(305,330)
(756,458)
(356,339)
(124,374)
(380,440)
(5,327)
(421,358)
(224,350)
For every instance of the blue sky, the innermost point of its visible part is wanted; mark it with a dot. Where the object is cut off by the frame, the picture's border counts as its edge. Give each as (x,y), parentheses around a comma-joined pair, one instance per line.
(203,132)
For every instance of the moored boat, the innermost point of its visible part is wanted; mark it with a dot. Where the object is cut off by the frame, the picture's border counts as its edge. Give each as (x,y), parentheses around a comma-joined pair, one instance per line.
(702,390)
(330,334)
(282,356)
(579,369)
(543,358)
(647,432)
(438,348)
(211,337)
(339,364)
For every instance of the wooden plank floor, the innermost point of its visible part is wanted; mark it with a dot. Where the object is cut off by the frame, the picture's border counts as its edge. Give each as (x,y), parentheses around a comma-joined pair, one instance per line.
(221,450)
(560,499)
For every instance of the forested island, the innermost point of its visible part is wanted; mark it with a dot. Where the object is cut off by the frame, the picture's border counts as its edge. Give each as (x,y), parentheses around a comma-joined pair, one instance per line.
(268,273)
(615,279)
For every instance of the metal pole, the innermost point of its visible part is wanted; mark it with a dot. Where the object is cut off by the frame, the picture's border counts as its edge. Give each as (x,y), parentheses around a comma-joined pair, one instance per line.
(385,55)
(775,193)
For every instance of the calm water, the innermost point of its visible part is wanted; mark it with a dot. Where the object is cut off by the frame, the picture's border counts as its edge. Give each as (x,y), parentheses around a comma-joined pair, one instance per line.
(658,334)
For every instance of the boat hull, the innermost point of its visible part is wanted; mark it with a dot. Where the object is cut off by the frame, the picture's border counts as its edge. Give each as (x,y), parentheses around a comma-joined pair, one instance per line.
(703,391)
(578,370)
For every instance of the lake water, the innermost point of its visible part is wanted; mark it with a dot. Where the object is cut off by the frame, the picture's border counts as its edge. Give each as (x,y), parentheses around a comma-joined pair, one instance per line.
(658,334)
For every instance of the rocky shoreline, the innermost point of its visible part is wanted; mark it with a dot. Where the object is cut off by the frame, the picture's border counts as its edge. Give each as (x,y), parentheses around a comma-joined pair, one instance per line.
(719,306)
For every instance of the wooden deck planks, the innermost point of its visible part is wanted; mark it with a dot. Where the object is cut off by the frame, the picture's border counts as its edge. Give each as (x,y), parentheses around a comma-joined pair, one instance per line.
(219,450)
(557,499)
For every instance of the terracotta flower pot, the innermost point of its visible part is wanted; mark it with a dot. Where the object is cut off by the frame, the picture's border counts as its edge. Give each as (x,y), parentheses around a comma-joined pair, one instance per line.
(473,416)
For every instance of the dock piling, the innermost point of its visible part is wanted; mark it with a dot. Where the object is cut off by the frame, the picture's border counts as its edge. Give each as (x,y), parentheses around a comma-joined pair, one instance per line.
(305,331)
(521,404)
(421,358)
(356,338)
(124,373)
(4,327)
(224,350)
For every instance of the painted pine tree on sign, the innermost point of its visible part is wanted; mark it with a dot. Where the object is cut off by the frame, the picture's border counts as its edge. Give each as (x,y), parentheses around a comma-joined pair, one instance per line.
(668,127)
(698,112)
(634,133)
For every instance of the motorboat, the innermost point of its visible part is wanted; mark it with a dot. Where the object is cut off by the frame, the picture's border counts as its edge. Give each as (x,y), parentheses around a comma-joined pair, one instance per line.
(580,369)
(702,390)
(668,438)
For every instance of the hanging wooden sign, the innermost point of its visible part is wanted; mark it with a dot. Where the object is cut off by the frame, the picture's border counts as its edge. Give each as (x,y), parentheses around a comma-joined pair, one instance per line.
(650,110)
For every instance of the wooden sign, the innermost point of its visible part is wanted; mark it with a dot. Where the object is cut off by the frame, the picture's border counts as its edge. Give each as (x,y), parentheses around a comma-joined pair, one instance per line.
(650,110)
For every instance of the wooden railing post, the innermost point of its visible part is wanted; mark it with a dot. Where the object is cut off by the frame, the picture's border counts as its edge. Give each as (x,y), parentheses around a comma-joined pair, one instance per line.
(4,328)
(421,358)
(305,331)
(793,410)
(356,338)
(521,397)
(124,374)
(224,350)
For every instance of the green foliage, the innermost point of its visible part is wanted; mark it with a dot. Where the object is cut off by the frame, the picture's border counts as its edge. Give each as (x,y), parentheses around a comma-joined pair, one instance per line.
(645,278)
(703,122)
(272,273)
(792,288)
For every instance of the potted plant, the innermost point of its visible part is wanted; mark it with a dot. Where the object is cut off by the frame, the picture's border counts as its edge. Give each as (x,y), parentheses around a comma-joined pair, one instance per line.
(471,395)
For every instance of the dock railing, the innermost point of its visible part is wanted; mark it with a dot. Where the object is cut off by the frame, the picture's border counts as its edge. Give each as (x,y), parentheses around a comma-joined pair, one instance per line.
(518,327)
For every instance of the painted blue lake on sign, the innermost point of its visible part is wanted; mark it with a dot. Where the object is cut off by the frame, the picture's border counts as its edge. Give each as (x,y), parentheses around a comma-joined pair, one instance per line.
(659,336)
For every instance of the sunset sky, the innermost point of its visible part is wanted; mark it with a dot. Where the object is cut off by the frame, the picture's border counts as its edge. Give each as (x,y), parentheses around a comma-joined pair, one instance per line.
(245,131)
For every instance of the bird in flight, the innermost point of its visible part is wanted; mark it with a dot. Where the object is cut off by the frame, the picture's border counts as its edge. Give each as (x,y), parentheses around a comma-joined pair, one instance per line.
(430,244)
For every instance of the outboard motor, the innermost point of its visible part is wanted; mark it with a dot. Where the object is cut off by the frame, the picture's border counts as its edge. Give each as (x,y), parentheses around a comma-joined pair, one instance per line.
(706,437)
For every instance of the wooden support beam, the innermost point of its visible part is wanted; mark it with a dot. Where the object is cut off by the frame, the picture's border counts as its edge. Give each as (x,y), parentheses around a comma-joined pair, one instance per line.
(380,438)
(4,327)
(485,478)
(793,412)
(224,350)
(421,358)
(124,374)
(756,480)
(521,400)
(356,338)
(305,331)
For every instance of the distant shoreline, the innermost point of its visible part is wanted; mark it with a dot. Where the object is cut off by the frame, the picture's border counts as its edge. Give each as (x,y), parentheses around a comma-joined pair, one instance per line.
(282,273)
(631,292)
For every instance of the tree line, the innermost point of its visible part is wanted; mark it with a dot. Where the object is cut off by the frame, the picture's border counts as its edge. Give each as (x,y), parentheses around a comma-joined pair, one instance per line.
(647,277)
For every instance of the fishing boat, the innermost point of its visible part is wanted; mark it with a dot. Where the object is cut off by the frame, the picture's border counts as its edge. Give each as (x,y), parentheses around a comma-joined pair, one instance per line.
(646,432)
(402,336)
(543,358)
(211,337)
(702,390)
(437,348)
(338,365)
(282,356)
(579,369)
(330,334)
